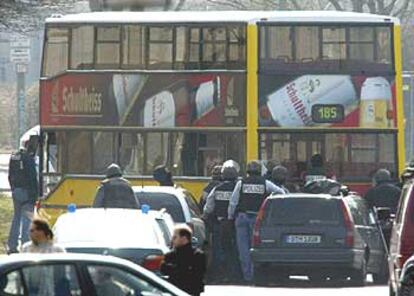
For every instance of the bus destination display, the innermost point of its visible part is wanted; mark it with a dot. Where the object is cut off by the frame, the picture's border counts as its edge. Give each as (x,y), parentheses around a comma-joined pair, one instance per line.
(328,113)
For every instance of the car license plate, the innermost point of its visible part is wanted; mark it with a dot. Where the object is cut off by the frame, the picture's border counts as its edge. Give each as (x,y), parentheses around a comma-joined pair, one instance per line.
(303,239)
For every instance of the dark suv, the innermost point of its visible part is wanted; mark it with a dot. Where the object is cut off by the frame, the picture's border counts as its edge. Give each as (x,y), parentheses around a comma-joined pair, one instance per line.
(318,236)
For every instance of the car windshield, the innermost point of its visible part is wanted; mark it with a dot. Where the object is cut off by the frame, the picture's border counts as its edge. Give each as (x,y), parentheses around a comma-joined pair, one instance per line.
(158,201)
(290,211)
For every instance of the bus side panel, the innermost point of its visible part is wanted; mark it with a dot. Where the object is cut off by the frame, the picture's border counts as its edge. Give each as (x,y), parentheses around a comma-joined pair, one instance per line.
(81,191)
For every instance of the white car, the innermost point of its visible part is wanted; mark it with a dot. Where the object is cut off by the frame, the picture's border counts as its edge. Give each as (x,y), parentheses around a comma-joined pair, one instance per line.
(142,238)
(178,202)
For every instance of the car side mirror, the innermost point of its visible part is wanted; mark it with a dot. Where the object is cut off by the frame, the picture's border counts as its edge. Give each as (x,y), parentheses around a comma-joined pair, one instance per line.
(383,214)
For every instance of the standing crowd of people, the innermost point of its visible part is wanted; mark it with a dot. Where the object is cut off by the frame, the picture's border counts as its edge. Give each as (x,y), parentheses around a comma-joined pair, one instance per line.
(230,207)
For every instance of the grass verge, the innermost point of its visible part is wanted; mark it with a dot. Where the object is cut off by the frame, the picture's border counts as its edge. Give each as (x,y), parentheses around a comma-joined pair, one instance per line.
(6,214)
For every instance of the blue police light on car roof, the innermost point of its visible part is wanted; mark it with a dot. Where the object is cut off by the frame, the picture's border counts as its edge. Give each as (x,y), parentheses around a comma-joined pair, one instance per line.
(71,208)
(145,209)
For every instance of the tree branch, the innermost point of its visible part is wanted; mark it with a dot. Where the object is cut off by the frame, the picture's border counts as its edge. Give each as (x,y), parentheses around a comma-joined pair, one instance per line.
(336,4)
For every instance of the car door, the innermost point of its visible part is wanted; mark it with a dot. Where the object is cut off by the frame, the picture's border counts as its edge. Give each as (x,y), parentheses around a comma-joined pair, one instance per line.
(107,279)
(374,238)
(42,279)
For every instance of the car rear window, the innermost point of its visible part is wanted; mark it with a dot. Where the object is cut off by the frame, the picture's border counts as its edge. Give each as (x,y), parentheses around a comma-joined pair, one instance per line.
(158,201)
(299,211)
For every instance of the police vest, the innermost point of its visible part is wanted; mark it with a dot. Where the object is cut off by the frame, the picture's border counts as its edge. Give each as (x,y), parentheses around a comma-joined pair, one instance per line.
(119,194)
(252,194)
(18,170)
(222,196)
(211,185)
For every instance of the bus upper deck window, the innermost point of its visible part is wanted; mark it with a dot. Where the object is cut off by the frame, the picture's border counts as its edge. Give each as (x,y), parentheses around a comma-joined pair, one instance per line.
(134,47)
(160,48)
(56,51)
(108,47)
(383,45)
(82,47)
(361,43)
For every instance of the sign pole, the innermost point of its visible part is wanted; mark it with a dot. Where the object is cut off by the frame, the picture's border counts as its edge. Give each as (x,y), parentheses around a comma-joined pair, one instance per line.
(20,56)
(21,100)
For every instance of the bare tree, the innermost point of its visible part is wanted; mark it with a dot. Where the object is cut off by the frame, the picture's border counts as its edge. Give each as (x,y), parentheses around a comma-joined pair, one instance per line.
(29,15)
(399,8)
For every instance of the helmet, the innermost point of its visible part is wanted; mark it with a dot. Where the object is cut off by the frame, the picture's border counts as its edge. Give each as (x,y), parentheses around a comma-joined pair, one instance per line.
(229,173)
(382,175)
(113,170)
(279,173)
(254,168)
(216,172)
(326,186)
(232,163)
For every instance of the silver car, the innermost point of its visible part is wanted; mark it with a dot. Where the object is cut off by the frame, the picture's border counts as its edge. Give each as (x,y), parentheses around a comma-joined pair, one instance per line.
(78,274)
(178,202)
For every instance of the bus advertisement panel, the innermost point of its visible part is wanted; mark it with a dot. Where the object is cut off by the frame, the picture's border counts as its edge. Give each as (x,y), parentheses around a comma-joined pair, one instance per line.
(143,100)
(327,101)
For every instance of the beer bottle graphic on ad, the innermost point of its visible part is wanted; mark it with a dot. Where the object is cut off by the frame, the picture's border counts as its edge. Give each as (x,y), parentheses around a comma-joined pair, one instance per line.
(291,105)
(375,103)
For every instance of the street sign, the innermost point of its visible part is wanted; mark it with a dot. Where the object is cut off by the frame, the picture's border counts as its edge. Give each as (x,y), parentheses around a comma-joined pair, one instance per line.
(20,55)
(20,50)
(20,43)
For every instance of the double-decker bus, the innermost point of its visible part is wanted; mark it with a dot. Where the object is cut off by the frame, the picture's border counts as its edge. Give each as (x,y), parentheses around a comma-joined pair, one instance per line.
(193,89)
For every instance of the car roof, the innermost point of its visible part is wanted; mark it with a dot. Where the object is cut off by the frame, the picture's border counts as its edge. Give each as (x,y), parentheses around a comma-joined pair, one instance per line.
(177,191)
(221,17)
(303,195)
(115,228)
(19,260)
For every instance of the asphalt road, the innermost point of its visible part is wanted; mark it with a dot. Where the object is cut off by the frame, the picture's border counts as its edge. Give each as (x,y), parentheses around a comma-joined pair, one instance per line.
(296,289)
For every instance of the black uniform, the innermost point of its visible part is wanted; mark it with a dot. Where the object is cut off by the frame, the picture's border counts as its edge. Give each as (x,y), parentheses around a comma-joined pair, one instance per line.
(22,173)
(385,194)
(252,195)
(225,255)
(185,268)
(116,192)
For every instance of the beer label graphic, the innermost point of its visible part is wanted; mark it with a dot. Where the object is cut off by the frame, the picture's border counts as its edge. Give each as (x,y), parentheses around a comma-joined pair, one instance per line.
(159,110)
(376,99)
(291,105)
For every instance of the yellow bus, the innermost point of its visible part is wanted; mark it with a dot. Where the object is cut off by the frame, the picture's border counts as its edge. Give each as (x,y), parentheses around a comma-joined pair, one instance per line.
(193,89)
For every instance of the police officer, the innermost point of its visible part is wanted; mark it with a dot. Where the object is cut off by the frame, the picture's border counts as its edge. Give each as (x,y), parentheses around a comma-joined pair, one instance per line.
(224,241)
(215,180)
(115,191)
(163,176)
(279,177)
(24,186)
(317,170)
(245,202)
(384,193)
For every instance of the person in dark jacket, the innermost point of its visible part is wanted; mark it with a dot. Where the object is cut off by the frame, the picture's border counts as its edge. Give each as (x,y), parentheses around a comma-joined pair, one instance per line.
(24,186)
(163,176)
(185,266)
(279,177)
(215,180)
(384,193)
(115,191)
(225,265)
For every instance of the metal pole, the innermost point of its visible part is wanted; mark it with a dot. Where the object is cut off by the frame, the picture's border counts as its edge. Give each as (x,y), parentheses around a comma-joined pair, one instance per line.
(21,100)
